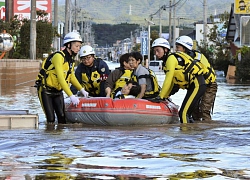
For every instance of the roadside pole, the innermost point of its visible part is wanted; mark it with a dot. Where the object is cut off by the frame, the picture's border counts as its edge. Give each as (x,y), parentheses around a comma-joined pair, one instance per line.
(149,39)
(55,44)
(33,30)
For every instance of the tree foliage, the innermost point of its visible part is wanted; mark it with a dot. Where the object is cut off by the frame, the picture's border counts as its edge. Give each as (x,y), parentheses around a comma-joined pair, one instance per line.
(20,31)
(107,34)
(243,63)
(216,48)
(13,28)
(44,33)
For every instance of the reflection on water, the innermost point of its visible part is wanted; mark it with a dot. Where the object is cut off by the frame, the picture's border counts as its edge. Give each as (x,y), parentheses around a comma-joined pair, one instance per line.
(219,150)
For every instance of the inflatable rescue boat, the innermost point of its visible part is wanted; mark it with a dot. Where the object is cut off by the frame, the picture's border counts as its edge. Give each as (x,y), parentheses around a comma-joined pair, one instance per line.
(106,111)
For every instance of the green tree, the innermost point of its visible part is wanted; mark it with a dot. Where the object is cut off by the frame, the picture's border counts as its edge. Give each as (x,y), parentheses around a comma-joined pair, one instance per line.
(137,47)
(243,64)
(215,49)
(44,32)
(20,31)
(44,39)
(107,34)
(153,35)
(13,28)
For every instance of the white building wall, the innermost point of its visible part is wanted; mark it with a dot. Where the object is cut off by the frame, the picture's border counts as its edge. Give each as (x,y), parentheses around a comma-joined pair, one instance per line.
(199,32)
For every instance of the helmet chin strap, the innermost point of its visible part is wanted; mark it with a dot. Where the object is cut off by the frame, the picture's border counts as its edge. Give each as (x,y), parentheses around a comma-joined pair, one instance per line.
(164,57)
(72,52)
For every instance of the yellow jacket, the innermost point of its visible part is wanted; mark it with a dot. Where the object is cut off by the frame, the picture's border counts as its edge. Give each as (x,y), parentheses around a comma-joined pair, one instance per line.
(180,69)
(60,73)
(209,73)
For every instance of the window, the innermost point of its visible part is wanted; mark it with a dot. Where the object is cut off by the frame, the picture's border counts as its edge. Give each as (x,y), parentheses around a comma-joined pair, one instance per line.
(245,31)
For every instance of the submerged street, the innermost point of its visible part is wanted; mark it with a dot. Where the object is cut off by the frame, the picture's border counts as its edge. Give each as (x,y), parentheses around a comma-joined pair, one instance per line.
(219,150)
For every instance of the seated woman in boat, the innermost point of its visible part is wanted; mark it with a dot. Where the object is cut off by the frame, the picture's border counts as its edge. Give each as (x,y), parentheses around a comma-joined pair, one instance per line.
(130,90)
(118,78)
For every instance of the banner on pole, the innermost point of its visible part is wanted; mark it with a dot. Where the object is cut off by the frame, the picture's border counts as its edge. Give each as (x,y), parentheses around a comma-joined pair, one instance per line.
(144,42)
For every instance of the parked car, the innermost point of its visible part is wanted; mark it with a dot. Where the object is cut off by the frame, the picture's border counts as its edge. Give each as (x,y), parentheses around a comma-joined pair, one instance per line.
(156,65)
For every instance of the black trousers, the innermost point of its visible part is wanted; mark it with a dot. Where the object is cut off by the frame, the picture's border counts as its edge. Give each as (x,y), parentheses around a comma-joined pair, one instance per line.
(193,95)
(52,103)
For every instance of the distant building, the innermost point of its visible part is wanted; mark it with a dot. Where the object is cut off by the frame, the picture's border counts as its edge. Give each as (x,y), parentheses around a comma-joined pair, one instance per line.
(238,31)
(199,28)
(199,31)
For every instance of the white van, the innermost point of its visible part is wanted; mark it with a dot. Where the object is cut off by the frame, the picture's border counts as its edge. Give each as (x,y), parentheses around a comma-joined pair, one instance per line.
(156,65)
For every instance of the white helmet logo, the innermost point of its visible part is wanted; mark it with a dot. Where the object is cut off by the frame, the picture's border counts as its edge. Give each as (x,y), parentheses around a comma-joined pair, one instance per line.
(103,70)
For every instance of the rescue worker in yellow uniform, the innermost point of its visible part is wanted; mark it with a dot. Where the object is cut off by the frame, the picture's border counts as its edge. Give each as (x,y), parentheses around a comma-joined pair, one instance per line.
(91,73)
(54,78)
(202,111)
(180,69)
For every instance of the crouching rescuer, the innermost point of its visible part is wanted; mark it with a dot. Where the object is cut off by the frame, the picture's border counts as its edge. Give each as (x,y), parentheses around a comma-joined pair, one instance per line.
(54,77)
(182,70)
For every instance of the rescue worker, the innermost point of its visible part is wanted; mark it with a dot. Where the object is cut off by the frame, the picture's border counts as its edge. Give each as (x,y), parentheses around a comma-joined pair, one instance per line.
(91,73)
(145,77)
(56,73)
(202,111)
(119,77)
(180,69)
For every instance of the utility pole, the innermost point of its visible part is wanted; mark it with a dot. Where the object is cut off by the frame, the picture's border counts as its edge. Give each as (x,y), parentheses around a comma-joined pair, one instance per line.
(9,10)
(55,22)
(67,15)
(149,38)
(132,40)
(160,28)
(205,21)
(174,26)
(70,16)
(33,30)
(170,9)
(75,16)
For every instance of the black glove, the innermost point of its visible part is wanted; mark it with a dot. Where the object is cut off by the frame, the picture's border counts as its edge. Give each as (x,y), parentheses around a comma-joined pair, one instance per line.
(157,99)
(174,90)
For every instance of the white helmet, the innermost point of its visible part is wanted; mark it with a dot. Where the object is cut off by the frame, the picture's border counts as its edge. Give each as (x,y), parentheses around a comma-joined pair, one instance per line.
(161,42)
(86,50)
(72,36)
(185,41)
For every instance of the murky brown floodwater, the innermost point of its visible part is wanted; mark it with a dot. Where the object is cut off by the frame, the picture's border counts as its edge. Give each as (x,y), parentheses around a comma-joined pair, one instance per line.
(219,150)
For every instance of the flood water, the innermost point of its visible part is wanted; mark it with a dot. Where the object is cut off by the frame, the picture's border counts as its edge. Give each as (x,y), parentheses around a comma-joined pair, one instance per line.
(219,150)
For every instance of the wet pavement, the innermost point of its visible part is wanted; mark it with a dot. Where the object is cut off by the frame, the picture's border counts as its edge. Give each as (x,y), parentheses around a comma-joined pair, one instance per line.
(218,150)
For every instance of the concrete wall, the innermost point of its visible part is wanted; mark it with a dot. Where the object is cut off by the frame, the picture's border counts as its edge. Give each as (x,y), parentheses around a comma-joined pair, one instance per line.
(199,32)
(18,72)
